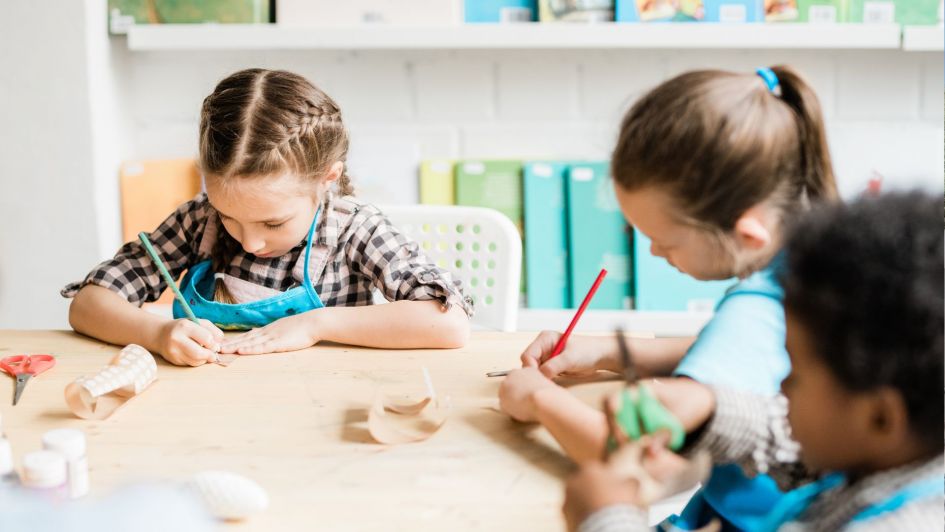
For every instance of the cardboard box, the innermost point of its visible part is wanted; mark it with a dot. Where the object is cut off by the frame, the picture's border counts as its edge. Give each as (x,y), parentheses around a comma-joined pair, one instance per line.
(322,13)
(546,235)
(822,11)
(500,11)
(781,10)
(734,11)
(576,10)
(598,238)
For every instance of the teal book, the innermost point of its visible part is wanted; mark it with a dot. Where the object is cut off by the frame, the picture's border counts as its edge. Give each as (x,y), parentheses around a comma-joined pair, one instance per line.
(598,238)
(546,235)
(660,286)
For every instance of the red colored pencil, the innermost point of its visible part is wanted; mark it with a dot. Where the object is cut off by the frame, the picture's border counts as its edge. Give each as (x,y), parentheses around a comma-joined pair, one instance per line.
(559,347)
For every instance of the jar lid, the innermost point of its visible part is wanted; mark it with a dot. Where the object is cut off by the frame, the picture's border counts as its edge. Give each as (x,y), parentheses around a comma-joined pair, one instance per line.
(44,469)
(69,442)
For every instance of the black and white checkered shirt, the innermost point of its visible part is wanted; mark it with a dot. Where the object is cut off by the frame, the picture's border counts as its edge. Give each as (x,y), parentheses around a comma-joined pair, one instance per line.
(355,251)
(753,431)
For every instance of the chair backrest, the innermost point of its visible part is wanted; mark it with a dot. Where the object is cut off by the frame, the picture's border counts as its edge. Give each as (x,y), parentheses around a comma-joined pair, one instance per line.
(479,246)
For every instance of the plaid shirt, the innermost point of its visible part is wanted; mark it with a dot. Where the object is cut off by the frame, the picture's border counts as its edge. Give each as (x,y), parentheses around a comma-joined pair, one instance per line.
(355,250)
(753,432)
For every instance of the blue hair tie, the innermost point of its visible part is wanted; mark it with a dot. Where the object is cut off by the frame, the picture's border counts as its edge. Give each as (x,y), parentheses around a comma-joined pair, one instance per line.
(771,79)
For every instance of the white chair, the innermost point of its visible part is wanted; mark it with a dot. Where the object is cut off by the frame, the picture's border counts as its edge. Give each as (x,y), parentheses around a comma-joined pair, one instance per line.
(479,246)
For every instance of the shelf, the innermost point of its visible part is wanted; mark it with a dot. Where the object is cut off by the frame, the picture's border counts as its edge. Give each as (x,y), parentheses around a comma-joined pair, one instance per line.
(923,38)
(181,37)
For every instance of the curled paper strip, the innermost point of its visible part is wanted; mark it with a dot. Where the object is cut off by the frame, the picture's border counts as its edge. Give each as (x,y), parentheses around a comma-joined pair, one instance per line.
(395,420)
(127,375)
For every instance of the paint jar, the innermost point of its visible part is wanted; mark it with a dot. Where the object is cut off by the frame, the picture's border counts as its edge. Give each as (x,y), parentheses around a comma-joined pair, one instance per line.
(70,443)
(8,477)
(44,472)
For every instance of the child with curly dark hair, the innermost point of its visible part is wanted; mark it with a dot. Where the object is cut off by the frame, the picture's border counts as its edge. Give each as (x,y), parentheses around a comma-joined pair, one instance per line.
(858,430)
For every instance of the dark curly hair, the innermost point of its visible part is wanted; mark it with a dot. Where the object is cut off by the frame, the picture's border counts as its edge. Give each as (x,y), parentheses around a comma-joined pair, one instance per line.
(866,279)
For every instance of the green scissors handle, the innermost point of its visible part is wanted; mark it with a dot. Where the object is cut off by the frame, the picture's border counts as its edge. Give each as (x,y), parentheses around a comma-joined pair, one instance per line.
(642,413)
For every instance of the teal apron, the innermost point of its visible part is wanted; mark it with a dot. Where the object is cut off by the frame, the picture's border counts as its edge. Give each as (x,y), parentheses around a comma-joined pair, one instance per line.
(199,284)
(795,503)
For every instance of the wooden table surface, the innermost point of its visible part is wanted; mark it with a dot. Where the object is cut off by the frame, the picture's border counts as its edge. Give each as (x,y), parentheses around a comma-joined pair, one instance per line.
(296,424)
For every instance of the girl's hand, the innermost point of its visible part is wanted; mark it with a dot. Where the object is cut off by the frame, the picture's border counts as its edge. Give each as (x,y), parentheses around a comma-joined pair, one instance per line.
(593,487)
(285,334)
(184,343)
(517,393)
(581,356)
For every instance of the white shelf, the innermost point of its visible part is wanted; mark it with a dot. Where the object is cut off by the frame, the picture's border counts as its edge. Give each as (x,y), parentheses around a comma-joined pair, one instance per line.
(179,37)
(923,38)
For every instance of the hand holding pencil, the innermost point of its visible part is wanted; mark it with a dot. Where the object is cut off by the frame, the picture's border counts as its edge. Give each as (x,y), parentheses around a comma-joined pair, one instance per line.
(545,349)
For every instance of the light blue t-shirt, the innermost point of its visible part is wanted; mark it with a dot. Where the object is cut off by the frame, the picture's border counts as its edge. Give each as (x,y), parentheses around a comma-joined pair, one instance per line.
(741,347)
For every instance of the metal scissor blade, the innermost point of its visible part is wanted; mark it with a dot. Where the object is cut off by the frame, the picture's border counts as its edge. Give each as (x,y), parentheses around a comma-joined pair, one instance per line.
(21,381)
(629,371)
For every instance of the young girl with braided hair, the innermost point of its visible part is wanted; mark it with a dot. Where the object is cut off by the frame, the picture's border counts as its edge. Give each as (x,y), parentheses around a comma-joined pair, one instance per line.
(275,244)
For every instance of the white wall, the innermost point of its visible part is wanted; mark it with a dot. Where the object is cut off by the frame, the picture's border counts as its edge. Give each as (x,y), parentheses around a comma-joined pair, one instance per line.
(52,217)
(58,167)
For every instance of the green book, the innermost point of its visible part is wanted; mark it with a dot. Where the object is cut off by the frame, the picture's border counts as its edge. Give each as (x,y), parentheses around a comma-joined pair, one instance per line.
(546,235)
(437,183)
(598,237)
(493,184)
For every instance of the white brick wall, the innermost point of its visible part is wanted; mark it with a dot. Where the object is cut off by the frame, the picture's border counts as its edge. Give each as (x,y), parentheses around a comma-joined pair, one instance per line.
(883,108)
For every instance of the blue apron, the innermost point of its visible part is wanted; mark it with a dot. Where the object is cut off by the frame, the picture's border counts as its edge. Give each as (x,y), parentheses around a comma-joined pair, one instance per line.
(199,284)
(796,502)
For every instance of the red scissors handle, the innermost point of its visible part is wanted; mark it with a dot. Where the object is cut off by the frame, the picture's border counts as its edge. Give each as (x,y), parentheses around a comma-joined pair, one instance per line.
(32,364)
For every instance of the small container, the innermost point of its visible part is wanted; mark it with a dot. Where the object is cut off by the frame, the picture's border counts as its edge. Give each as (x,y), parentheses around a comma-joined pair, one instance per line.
(45,472)
(71,444)
(8,476)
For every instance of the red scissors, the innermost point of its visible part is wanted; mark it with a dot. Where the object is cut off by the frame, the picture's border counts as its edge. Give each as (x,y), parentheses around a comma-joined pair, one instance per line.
(24,367)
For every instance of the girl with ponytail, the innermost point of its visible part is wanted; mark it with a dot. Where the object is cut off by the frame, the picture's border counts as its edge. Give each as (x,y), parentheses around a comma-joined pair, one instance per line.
(711,166)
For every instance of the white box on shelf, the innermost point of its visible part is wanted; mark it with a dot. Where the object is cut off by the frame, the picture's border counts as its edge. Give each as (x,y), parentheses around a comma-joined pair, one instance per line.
(322,13)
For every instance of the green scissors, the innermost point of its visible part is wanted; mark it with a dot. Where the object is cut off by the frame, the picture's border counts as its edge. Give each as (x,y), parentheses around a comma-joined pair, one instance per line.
(640,412)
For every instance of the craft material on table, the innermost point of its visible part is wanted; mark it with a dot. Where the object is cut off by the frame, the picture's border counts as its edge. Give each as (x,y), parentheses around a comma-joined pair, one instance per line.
(394,420)
(23,368)
(128,374)
(559,347)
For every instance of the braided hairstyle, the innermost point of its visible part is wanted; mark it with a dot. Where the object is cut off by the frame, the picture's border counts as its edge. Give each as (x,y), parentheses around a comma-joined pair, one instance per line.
(260,123)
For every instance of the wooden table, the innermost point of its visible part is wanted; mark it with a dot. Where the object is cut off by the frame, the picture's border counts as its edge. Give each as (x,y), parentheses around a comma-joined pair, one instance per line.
(296,424)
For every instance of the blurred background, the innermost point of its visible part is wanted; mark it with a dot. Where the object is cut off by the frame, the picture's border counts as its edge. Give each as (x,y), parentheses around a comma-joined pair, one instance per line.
(94,91)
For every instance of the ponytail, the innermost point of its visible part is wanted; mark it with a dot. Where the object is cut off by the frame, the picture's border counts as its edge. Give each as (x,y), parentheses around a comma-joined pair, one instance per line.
(722,142)
(816,169)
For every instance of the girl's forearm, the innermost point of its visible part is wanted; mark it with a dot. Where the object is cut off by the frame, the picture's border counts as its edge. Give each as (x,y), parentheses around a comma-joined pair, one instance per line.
(580,430)
(100,313)
(658,357)
(395,325)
